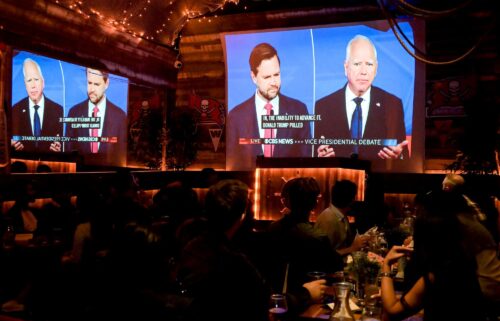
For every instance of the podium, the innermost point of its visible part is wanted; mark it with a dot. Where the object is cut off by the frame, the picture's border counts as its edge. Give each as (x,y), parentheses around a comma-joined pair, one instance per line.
(272,173)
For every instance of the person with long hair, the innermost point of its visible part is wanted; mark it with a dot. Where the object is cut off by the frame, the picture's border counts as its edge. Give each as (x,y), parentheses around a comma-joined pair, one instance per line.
(448,288)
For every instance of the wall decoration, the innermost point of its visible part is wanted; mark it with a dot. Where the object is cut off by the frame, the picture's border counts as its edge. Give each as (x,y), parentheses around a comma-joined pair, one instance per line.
(210,120)
(145,130)
(446,97)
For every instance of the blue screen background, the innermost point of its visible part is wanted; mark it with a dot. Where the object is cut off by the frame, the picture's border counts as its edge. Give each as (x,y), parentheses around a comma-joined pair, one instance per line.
(65,83)
(312,63)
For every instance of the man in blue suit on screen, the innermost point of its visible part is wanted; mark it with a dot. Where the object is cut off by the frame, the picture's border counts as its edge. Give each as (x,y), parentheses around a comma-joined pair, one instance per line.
(245,123)
(361,120)
(105,141)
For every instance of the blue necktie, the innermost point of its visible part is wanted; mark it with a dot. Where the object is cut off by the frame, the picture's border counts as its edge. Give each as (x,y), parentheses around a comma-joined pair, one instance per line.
(357,123)
(37,127)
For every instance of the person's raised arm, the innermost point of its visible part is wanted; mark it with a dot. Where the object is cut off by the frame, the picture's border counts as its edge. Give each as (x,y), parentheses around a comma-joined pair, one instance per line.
(316,289)
(410,302)
(357,244)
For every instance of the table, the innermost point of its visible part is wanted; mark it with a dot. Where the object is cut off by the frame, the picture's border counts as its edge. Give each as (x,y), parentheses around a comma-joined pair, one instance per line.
(319,312)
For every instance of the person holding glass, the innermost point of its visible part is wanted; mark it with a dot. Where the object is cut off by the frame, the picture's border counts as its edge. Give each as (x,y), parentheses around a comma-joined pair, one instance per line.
(334,223)
(448,288)
(300,245)
(220,280)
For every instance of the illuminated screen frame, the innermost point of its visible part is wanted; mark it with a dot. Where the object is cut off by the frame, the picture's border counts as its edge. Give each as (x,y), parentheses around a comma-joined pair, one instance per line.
(311,60)
(66,84)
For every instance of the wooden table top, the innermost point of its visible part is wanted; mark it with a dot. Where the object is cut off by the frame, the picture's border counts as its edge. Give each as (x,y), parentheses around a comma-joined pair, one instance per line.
(320,312)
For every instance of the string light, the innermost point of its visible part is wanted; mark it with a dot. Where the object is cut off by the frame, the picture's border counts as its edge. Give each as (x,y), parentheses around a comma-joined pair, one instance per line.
(135,14)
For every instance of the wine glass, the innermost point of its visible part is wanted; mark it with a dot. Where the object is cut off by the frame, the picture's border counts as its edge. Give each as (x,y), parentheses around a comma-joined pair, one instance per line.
(316,275)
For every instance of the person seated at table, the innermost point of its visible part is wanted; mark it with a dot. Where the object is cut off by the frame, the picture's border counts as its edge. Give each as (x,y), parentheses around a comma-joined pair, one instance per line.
(334,223)
(174,203)
(22,215)
(455,183)
(294,238)
(448,288)
(93,232)
(220,280)
(478,241)
(61,215)
(25,219)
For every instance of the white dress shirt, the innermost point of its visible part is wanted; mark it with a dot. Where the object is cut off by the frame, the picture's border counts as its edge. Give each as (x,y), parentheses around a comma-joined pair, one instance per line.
(260,109)
(350,105)
(41,108)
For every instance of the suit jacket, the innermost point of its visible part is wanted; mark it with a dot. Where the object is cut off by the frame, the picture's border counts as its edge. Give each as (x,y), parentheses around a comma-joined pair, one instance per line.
(114,125)
(242,123)
(385,121)
(51,126)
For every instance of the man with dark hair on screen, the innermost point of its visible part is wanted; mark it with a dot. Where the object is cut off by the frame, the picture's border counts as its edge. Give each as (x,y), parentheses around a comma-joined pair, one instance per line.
(245,120)
(112,123)
(360,112)
(36,115)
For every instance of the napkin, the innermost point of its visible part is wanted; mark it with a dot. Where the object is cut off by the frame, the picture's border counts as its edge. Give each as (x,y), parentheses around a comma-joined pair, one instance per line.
(354,307)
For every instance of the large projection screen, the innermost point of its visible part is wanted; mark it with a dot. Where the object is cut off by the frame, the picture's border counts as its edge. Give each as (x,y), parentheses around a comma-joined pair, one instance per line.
(311,68)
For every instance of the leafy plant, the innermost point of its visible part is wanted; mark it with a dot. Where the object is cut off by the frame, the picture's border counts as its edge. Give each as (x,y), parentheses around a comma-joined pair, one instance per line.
(182,147)
(364,266)
(471,164)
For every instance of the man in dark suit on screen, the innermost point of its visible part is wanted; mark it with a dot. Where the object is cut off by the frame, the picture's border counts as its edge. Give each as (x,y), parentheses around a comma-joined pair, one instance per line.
(107,137)
(36,115)
(245,120)
(361,120)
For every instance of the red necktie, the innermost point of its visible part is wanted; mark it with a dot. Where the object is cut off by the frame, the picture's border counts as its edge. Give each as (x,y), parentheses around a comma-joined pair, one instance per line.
(268,133)
(94,132)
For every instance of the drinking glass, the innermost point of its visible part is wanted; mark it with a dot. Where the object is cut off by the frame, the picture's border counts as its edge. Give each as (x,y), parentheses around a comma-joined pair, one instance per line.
(316,275)
(278,307)
(371,292)
(371,313)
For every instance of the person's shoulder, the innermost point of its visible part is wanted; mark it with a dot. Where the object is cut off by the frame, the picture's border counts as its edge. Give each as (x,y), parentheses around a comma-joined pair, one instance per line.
(328,98)
(242,107)
(290,101)
(80,105)
(23,103)
(305,229)
(276,226)
(476,231)
(326,215)
(52,104)
(115,108)
(383,94)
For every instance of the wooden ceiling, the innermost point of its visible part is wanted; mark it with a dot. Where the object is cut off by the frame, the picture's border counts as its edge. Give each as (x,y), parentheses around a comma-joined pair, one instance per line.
(161,21)
(144,34)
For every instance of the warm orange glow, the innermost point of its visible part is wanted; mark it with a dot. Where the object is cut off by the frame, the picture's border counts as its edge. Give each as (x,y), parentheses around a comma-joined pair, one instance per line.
(56,167)
(436,171)
(256,195)
(138,12)
(269,181)
(39,203)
